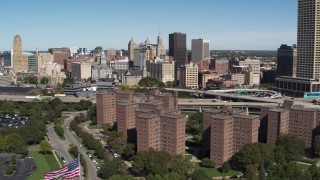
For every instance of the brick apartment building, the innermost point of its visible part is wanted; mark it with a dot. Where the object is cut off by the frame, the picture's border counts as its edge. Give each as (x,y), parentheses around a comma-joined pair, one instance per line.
(106,109)
(289,118)
(153,120)
(226,131)
(60,54)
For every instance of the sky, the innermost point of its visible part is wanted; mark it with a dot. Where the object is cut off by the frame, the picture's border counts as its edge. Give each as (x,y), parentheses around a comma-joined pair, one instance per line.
(228,24)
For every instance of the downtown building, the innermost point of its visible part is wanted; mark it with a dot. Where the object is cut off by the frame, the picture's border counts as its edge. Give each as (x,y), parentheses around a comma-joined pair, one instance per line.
(161,70)
(226,131)
(308,53)
(200,49)
(189,76)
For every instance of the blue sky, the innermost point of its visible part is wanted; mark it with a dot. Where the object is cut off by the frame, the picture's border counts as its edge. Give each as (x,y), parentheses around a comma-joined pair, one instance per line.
(229,24)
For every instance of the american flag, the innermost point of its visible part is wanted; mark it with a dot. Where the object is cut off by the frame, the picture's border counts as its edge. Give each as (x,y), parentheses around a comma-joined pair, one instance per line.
(69,171)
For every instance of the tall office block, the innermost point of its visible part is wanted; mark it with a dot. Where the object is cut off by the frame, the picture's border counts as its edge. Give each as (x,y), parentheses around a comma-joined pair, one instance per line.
(178,48)
(308,65)
(19,63)
(200,49)
(287,60)
(160,47)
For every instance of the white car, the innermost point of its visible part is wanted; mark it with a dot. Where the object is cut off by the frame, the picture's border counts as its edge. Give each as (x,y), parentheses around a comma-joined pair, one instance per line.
(94,161)
(98,167)
(116,155)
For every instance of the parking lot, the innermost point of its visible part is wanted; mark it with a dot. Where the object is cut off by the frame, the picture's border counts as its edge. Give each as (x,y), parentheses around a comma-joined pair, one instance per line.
(24,167)
(13,121)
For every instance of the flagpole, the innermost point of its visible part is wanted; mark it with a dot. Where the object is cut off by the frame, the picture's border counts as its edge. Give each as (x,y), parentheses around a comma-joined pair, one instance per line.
(79,166)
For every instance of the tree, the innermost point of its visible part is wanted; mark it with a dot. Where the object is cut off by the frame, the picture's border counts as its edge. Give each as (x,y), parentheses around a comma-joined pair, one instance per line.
(45,147)
(44,80)
(262,173)
(14,159)
(114,167)
(208,163)
(200,175)
(150,82)
(73,149)
(32,80)
(121,177)
(129,151)
(225,167)
(316,145)
(293,145)
(194,123)
(252,172)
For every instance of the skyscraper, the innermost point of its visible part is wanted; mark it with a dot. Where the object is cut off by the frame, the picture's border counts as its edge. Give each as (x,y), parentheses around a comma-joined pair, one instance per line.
(200,49)
(178,48)
(160,48)
(287,60)
(19,63)
(308,39)
(131,46)
(308,53)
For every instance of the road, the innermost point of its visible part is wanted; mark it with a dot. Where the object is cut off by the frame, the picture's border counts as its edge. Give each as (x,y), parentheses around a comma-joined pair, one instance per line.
(62,146)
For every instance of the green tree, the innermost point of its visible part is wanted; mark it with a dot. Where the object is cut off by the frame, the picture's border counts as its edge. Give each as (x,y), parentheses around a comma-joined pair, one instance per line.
(200,175)
(262,173)
(121,177)
(73,149)
(208,163)
(45,147)
(293,145)
(150,82)
(316,145)
(225,167)
(194,123)
(129,151)
(44,80)
(114,167)
(252,172)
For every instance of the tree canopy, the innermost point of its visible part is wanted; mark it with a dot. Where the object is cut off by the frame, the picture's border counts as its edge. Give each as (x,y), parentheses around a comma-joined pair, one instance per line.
(150,82)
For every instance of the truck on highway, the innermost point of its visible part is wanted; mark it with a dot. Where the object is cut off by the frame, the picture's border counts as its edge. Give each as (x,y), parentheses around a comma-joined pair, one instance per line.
(33,97)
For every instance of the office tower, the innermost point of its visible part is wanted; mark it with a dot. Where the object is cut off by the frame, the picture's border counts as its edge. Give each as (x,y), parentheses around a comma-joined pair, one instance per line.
(43,58)
(178,48)
(287,60)
(160,47)
(19,63)
(189,76)
(161,69)
(200,49)
(308,65)
(106,106)
(308,53)
(32,64)
(80,71)
(131,47)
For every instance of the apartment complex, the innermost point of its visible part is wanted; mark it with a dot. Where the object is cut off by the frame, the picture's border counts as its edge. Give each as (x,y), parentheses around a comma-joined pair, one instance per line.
(189,76)
(227,131)
(152,120)
(292,119)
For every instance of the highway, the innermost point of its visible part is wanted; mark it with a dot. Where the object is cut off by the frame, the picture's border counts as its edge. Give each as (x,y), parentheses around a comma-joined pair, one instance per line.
(61,147)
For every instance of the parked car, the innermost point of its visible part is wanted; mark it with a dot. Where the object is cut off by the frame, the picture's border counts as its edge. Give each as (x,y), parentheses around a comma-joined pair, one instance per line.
(63,160)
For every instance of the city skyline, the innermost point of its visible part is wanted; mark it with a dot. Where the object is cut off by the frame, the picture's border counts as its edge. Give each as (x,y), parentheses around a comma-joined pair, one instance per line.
(228,25)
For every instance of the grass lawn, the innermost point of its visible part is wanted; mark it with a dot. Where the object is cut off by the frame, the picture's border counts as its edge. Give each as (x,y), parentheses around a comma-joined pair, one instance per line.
(188,157)
(303,167)
(44,163)
(213,172)
(188,113)
(94,127)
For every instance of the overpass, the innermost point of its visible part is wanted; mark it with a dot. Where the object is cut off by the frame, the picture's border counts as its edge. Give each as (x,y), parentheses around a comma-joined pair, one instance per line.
(22,98)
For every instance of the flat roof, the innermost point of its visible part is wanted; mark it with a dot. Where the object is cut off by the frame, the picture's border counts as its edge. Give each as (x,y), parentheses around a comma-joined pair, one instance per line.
(147,115)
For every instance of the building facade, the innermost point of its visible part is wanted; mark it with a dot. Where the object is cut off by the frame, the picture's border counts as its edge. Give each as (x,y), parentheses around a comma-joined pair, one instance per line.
(200,49)
(106,106)
(20,64)
(178,48)
(160,69)
(80,70)
(189,76)
(60,54)
(287,61)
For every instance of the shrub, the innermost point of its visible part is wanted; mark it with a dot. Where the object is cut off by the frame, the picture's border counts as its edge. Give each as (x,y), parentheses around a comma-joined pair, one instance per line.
(207,163)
